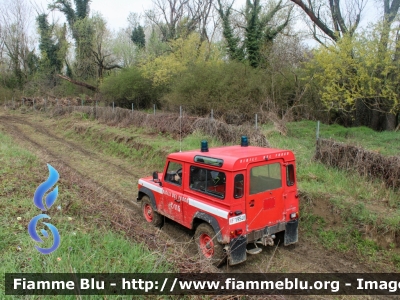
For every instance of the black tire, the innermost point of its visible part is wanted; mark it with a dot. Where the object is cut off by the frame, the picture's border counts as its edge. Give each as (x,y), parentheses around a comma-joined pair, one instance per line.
(206,237)
(149,214)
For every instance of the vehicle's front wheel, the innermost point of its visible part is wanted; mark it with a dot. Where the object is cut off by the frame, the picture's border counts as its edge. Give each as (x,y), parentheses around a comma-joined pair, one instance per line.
(209,248)
(149,214)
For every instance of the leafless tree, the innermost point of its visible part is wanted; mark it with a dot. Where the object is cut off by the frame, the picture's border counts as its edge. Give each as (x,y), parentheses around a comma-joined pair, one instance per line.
(101,50)
(16,44)
(179,17)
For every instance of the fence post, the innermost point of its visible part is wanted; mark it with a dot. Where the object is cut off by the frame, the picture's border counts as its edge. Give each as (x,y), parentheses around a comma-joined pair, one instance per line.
(212,114)
(154,109)
(317,146)
(45,102)
(132,107)
(23,101)
(33,104)
(113,106)
(256,122)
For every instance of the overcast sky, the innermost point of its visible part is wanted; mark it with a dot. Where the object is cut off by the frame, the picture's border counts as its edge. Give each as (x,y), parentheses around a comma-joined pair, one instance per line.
(116,12)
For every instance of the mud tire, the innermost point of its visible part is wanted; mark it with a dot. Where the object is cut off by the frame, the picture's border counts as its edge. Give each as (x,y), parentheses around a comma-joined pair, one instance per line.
(149,214)
(208,246)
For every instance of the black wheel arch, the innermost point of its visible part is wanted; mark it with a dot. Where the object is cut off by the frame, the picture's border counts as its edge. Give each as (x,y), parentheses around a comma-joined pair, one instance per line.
(202,217)
(144,191)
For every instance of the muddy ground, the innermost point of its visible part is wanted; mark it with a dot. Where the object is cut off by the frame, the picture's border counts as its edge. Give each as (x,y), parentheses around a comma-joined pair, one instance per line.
(114,179)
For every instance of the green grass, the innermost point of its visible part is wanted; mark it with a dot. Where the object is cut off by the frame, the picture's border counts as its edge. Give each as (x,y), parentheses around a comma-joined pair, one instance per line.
(84,246)
(385,143)
(135,144)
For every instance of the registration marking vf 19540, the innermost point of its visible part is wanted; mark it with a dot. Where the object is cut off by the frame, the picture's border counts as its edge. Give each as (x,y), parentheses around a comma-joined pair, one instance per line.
(237,219)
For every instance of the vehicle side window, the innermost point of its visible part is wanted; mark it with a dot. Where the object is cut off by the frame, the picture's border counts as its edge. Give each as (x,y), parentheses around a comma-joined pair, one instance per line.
(208,181)
(290,175)
(238,189)
(265,178)
(174,173)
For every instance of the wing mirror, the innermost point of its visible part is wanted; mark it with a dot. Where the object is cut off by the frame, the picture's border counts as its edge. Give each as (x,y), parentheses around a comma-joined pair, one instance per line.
(156,179)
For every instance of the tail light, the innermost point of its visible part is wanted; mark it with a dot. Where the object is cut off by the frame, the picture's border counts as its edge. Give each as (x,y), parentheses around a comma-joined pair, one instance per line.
(236,232)
(294,215)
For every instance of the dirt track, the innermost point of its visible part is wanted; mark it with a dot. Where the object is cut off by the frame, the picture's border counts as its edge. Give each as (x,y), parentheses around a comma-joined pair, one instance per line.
(117,179)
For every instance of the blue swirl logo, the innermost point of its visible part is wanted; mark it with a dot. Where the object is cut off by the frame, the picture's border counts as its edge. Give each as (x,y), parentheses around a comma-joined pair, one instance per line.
(49,201)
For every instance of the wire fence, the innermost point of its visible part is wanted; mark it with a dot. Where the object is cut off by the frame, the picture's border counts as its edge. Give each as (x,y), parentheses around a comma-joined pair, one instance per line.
(166,122)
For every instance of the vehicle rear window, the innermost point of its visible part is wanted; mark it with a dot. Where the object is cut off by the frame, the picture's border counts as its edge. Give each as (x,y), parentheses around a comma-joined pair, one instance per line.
(238,189)
(265,178)
(290,175)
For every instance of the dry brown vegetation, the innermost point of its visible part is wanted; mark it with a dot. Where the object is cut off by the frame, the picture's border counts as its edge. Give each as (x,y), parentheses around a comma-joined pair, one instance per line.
(367,163)
(168,123)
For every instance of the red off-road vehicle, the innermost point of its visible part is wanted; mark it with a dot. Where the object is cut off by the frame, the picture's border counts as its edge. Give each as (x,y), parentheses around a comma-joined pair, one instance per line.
(234,198)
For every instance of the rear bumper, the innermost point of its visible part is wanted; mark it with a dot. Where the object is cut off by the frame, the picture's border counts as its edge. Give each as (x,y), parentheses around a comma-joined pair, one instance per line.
(237,246)
(290,228)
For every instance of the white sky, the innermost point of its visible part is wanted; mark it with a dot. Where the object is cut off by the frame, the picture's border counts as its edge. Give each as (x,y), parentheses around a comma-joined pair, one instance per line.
(116,12)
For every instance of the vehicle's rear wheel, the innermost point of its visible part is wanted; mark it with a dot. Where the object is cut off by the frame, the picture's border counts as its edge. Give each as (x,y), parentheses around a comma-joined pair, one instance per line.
(209,247)
(149,214)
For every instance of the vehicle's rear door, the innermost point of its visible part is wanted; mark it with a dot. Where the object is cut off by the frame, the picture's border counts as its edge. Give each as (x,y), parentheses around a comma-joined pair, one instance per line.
(264,203)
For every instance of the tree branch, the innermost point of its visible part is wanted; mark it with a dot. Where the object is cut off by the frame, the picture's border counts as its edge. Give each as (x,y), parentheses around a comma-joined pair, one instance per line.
(321,25)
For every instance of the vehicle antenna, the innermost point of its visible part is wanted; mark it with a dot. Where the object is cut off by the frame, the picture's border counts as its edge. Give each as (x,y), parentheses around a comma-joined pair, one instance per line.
(180,128)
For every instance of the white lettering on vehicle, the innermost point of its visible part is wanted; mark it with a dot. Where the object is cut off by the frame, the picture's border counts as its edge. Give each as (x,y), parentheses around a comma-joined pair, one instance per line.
(173,206)
(196,203)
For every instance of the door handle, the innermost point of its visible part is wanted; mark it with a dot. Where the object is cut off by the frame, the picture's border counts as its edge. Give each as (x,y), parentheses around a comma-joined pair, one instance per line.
(251,203)
(177,200)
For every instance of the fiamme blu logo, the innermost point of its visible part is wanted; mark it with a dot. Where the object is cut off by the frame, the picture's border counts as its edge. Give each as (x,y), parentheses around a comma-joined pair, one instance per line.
(44,206)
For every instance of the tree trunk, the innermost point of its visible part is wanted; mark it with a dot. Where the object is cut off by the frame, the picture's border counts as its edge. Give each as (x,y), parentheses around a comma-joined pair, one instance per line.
(80,83)
(391,121)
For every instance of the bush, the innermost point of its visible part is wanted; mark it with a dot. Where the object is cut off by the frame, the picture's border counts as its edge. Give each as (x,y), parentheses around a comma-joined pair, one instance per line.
(233,90)
(129,86)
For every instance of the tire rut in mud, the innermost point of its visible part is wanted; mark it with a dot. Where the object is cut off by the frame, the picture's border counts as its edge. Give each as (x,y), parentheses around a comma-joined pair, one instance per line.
(56,158)
(72,145)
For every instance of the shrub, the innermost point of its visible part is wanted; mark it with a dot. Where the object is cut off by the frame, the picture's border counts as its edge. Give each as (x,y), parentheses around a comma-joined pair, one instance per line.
(129,86)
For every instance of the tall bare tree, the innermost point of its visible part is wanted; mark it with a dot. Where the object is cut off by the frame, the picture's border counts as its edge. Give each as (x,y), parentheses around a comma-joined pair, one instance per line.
(15,19)
(101,50)
(175,18)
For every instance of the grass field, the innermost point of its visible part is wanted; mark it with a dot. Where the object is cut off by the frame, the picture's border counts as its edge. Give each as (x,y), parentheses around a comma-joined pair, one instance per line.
(341,211)
(85,247)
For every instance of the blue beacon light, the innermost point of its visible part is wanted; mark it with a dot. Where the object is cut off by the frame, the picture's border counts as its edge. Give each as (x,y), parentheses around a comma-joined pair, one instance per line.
(204,146)
(244,141)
